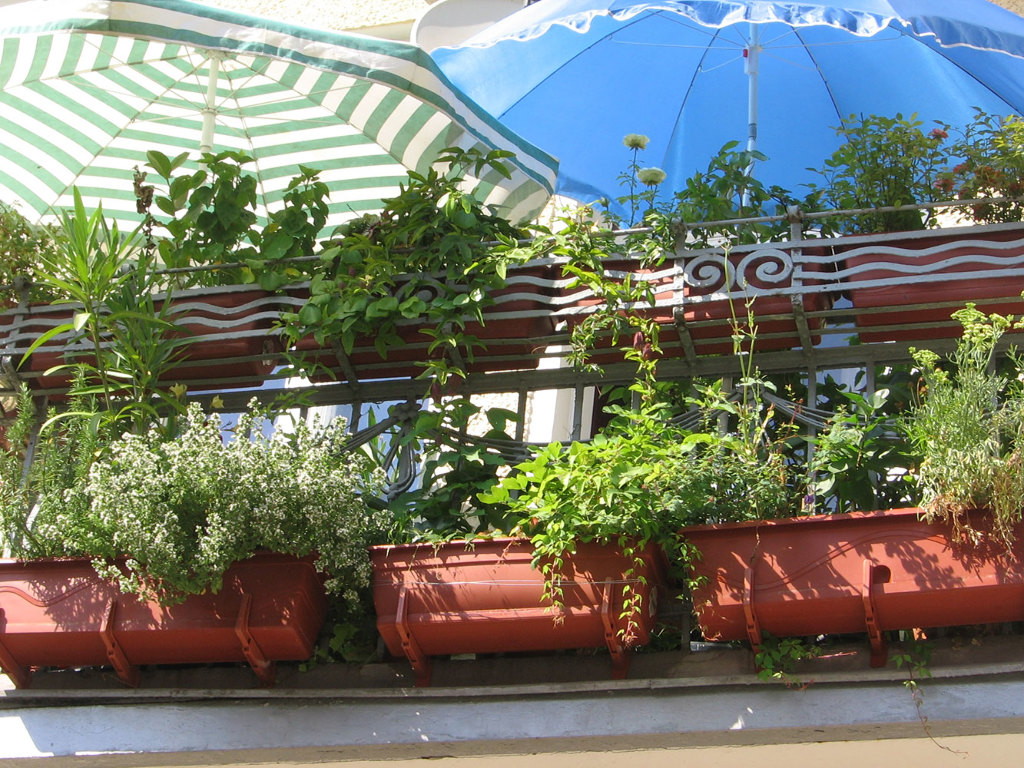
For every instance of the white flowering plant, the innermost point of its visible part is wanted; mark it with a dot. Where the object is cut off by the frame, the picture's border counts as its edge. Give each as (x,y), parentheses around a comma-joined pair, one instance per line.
(179,512)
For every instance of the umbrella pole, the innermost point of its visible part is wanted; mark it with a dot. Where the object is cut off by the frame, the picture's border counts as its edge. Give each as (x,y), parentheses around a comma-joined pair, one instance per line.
(752,61)
(210,110)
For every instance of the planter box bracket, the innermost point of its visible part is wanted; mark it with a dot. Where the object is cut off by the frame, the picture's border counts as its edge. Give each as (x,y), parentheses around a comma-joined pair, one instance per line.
(753,626)
(264,668)
(620,659)
(420,661)
(128,673)
(20,675)
(879,645)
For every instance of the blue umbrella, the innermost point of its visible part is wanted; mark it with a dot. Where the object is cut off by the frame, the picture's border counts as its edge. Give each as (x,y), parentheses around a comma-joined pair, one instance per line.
(575,76)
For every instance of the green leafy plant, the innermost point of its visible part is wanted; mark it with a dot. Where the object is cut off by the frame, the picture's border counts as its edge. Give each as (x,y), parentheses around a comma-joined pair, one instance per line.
(43,473)
(859,461)
(915,658)
(350,640)
(736,467)
(729,190)
(614,266)
(776,659)
(433,256)
(593,259)
(883,161)
(641,182)
(645,476)
(109,281)
(604,491)
(210,221)
(991,154)
(458,466)
(23,245)
(968,428)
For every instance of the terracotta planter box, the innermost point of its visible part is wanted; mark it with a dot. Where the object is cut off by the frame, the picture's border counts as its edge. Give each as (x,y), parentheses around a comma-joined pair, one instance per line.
(487,598)
(59,613)
(980,264)
(860,572)
(228,332)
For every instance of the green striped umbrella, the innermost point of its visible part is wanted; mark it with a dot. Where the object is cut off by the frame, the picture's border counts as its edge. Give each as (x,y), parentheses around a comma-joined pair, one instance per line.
(87,88)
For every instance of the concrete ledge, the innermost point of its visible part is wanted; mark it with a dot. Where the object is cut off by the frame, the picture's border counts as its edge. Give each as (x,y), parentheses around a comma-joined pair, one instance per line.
(703,699)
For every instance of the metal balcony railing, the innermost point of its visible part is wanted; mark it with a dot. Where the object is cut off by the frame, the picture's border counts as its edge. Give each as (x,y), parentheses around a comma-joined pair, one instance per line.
(816,303)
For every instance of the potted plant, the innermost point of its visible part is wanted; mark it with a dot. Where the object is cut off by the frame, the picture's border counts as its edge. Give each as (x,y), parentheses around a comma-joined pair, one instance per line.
(232,266)
(102,318)
(414,285)
(991,165)
(582,568)
(969,429)
(892,161)
(22,246)
(956,559)
(145,547)
(202,267)
(684,268)
(111,305)
(852,573)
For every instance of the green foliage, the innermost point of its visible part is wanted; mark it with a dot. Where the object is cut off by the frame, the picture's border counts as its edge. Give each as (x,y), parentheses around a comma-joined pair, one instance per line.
(110,280)
(351,640)
(858,460)
(43,474)
(434,239)
(604,491)
(183,510)
(614,265)
(916,659)
(969,428)
(644,477)
(728,190)
(882,161)
(457,468)
(777,658)
(210,220)
(736,468)
(593,259)
(23,246)
(991,153)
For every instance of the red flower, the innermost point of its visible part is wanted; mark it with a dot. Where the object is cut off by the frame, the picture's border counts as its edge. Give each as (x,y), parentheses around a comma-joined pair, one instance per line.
(938,133)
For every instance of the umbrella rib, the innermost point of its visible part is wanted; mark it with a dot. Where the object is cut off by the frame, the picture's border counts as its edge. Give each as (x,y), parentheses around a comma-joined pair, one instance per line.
(625,25)
(689,88)
(821,74)
(243,119)
(940,49)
